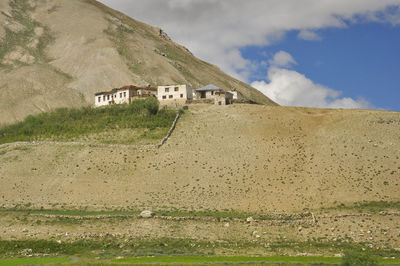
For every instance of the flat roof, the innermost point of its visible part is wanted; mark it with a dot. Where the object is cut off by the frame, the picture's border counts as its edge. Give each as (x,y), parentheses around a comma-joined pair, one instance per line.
(209,87)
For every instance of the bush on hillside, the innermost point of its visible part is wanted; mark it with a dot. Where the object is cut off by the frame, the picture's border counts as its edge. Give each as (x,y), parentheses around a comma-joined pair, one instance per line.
(152,105)
(355,258)
(86,120)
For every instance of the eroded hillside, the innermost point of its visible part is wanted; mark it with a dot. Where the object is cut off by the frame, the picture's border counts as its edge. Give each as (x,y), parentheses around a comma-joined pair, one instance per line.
(59,53)
(248,158)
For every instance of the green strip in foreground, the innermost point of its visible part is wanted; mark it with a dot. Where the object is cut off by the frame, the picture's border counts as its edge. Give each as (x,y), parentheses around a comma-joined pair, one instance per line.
(238,259)
(33,261)
(218,259)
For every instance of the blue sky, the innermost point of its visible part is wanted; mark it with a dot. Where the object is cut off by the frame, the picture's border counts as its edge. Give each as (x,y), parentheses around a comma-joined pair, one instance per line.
(362,60)
(317,53)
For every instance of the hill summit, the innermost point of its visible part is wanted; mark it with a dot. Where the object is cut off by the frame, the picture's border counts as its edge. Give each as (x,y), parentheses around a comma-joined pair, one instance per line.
(59,53)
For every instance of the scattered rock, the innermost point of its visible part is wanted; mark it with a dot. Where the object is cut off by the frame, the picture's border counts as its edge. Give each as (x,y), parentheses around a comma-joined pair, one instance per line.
(14,26)
(163,35)
(300,228)
(19,54)
(6,13)
(25,252)
(226,224)
(146,214)
(39,31)
(250,219)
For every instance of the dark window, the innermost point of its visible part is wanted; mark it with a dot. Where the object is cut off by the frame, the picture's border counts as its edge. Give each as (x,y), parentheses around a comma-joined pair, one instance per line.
(181,95)
(171,96)
(164,97)
(99,99)
(104,97)
(124,93)
(166,89)
(108,97)
(120,95)
(212,93)
(176,88)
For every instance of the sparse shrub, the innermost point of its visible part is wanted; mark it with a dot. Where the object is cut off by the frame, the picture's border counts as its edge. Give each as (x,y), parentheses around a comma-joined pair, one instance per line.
(64,123)
(356,258)
(152,105)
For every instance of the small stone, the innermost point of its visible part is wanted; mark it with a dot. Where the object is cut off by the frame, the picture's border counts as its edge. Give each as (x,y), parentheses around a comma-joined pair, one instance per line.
(6,13)
(226,224)
(300,228)
(250,219)
(147,214)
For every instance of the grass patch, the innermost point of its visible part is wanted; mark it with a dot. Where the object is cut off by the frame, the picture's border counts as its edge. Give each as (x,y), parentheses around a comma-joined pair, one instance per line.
(145,250)
(69,212)
(173,213)
(226,259)
(32,261)
(371,206)
(66,124)
(20,11)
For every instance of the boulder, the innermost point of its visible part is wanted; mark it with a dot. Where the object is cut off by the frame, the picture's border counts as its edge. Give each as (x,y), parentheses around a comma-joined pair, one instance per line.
(250,219)
(146,214)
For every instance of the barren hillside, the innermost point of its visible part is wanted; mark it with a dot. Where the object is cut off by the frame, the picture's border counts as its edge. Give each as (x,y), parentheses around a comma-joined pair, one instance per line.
(248,158)
(58,53)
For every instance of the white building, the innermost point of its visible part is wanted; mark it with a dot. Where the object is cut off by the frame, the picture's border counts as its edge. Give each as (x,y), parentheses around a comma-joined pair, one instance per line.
(180,93)
(215,93)
(236,95)
(123,95)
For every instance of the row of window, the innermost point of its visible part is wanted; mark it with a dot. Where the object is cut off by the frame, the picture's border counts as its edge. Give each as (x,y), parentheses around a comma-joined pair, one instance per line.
(112,96)
(175,89)
(170,96)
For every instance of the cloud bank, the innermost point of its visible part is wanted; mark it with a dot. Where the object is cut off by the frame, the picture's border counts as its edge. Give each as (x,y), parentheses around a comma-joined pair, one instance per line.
(290,88)
(282,59)
(215,30)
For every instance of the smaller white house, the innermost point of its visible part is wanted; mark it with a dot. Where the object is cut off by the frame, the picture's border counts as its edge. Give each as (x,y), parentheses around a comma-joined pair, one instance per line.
(174,93)
(215,93)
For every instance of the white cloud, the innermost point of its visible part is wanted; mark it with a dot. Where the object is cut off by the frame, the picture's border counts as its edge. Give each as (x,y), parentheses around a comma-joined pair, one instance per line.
(216,30)
(282,59)
(290,88)
(308,35)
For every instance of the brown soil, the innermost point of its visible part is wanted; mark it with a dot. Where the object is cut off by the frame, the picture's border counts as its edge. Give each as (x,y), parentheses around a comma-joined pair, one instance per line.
(243,157)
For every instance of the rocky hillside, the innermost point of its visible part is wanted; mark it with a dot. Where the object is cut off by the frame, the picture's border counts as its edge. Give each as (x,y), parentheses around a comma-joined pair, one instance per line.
(58,53)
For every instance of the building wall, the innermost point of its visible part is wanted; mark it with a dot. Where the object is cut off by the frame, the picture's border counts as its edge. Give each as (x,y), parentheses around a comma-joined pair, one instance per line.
(220,99)
(117,97)
(236,95)
(121,96)
(174,92)
(102,100)
(209,94)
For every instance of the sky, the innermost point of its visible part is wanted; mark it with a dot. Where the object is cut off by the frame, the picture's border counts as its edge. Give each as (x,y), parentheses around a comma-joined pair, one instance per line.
(314,53)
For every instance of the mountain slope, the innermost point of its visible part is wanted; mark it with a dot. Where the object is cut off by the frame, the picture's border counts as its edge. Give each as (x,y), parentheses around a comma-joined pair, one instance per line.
(59,53)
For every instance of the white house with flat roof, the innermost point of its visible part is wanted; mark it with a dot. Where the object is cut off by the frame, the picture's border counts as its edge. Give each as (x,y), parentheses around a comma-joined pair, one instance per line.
(180,93)
(211,91)
(123,95)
